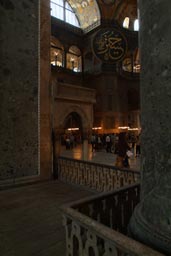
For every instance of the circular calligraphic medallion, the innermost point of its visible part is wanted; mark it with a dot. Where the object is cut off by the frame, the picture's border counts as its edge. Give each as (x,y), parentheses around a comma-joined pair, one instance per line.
(109,45)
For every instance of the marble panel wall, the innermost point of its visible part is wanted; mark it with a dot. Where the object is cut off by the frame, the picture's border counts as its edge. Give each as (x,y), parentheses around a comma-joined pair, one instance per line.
(18,88)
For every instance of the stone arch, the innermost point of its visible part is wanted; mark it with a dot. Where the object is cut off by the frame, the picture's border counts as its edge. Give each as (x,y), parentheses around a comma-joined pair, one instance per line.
(86,122)
(56,52)
(74,58)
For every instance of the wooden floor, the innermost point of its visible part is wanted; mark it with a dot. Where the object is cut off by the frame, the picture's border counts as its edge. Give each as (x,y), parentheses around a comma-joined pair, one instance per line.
(30,219)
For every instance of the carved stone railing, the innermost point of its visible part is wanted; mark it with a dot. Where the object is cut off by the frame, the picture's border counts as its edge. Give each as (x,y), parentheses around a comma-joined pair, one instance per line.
(95,176)
(97,226)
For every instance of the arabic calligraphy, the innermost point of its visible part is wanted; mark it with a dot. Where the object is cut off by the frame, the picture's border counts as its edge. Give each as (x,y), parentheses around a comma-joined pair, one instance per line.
(109,45)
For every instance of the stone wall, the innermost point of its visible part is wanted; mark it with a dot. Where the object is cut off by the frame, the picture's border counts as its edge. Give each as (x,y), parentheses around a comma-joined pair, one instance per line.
(18,88)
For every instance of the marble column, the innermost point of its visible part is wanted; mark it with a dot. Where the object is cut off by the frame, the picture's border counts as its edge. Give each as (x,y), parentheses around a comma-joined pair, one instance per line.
(56,143)
(45,96)
(151,221)
(85,147)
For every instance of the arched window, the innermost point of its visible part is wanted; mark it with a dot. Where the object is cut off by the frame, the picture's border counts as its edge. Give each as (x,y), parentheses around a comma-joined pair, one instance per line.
(74,61)
(127,65)
(57,53)
(63,11)
(132,62)
(136,25)
(137,66)
(126,22)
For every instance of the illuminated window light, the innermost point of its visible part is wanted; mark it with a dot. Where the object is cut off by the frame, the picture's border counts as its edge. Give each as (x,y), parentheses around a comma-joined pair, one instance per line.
(126,22)
(136,25)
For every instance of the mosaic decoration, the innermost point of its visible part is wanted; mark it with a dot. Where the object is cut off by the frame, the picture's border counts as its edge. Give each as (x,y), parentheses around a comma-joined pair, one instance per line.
(87,12)
(109,45)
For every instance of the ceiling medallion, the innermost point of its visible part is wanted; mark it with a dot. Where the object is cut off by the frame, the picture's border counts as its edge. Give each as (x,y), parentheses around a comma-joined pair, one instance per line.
(109,45)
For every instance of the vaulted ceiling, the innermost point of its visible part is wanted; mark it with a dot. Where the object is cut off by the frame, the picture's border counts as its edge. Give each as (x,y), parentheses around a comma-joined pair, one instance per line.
(92,11)
(87,11)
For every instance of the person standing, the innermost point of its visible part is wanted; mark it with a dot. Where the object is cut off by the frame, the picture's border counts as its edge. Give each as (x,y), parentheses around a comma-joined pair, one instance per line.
(122,147)
(138,146)
(93,142)
(108,144)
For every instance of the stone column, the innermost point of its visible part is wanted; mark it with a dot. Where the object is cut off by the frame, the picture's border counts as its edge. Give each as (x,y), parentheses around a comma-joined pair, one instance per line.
(65,58)
(85,136)
(151,221)
(45,96)
(56,148)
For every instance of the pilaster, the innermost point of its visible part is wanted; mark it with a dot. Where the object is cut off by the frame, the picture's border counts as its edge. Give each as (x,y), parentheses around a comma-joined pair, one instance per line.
(45,92)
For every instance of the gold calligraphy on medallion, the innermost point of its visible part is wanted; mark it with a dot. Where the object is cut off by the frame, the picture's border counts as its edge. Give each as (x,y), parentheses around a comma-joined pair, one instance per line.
(109,45)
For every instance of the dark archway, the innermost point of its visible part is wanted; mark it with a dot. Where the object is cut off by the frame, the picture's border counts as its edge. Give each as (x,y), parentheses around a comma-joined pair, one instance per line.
(73,124)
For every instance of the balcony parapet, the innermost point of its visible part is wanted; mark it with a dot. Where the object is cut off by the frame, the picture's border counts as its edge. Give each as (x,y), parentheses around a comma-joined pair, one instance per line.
(98,225)
(75,93)
(95,176)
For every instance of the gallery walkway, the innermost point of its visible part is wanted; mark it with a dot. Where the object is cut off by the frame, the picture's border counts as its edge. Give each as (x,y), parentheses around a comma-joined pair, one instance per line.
(30,219)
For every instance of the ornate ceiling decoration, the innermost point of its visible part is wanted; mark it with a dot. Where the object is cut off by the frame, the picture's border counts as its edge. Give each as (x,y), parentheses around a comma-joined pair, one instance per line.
(87,12)
(126,8)
(90,12)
